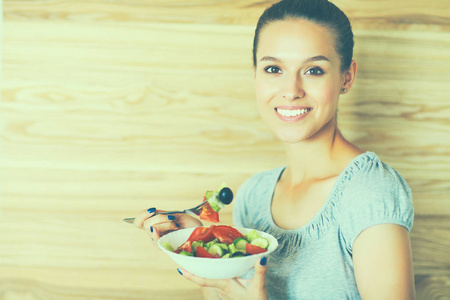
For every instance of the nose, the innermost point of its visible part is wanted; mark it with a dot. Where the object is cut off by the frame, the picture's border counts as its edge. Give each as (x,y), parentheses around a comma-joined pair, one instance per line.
(293,88)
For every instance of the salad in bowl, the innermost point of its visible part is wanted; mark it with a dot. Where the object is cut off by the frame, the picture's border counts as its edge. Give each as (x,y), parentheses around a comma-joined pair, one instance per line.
(218,251)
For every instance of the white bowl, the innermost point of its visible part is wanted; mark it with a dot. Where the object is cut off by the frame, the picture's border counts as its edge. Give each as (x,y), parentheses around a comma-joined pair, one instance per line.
(214,268)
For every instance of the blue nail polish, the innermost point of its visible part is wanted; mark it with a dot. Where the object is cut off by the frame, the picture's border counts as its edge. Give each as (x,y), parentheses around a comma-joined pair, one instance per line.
(263,261)
(179,271)
(151,228)
(178,225)
(170,217)
(151,210)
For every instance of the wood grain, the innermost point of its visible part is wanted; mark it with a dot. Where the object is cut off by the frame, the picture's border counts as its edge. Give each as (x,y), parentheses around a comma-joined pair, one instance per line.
(383,14)
(433,287)
(110,107)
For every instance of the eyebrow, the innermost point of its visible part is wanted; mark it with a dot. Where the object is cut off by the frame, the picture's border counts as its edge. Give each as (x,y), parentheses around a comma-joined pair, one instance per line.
(309,59)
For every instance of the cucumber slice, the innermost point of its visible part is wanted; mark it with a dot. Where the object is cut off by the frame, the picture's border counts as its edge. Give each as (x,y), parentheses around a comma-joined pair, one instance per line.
(216,250)
(185,253)
(209,194)
(196,244)
(168,246)
(232,249)
(240,243)
(215,203)
(213,197)
(209,244)
(260,242)
(251,236)
(226,255)
(237,254)
(223,246)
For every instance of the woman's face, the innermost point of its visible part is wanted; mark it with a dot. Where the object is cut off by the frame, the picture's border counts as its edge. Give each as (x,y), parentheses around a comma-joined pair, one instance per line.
(297,79)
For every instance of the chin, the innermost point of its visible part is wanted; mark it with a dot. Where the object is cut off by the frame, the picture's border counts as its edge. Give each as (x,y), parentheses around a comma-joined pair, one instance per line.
(291,137)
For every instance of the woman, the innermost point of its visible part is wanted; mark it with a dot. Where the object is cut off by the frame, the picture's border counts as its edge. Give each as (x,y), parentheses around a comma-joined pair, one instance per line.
(341,216)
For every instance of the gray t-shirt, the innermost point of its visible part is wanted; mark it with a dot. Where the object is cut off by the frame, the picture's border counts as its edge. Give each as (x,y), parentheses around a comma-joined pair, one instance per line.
(315,260)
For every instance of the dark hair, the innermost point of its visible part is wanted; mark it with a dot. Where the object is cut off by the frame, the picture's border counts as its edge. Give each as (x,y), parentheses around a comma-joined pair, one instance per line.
(321,12)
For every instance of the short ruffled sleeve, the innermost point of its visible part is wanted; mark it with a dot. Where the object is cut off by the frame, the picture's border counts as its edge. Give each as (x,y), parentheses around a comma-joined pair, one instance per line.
(250,207)
(240,212)
(374,194)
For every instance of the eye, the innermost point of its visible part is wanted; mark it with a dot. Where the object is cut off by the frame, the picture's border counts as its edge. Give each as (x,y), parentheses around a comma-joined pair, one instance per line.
(272,69)
(315,71)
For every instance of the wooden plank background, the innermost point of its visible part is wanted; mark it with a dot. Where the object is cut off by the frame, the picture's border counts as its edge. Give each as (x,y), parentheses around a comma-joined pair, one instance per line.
(112,106)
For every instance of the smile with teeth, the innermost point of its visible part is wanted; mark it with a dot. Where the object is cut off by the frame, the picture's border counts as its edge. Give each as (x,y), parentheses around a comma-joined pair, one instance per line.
(292,112)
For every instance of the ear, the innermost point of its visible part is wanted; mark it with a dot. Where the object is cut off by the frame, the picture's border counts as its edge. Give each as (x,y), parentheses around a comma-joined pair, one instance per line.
(348,77)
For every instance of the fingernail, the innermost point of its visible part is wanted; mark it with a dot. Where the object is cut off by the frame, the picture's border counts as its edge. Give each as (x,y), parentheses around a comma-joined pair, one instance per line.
(151,228)
(151,210)
(263,261)
(170,217)
(178,225)
(179,271)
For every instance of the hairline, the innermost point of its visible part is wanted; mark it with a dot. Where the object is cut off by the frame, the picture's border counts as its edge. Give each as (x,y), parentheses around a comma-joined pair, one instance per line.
(332,31)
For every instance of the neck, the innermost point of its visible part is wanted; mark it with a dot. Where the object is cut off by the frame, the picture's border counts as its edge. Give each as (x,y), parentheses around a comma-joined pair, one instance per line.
(314,157)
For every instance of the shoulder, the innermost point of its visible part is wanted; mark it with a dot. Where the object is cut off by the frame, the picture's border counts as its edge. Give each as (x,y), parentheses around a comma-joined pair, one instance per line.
(368,174)
(374,193)
(250,194)
(262,179)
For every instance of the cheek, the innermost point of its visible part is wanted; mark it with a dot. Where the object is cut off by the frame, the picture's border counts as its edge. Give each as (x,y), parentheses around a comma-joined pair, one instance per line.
(331,95)
(327,94)
(263,92)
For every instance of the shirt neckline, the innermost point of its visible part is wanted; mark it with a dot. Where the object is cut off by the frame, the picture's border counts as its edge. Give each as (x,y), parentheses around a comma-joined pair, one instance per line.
(310,225)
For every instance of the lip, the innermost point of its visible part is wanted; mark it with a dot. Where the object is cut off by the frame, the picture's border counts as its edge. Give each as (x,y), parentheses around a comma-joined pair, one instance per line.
(293,118)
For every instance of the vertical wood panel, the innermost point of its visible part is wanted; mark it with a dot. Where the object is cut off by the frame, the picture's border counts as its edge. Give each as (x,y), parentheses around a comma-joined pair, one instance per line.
(109,107)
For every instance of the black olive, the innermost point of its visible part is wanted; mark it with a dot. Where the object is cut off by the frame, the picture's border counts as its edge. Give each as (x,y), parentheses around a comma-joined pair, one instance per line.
(225,196)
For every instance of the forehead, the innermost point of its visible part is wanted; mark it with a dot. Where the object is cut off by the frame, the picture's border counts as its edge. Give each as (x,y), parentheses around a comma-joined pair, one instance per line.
(299,37)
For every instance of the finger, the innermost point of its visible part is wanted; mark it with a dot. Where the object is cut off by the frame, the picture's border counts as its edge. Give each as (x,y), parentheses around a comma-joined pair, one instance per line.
(159,225)
(204,282)
(222,294)
(259,279)
(142,216)
(243,282)
(159,229)
(157,218)
(142,220)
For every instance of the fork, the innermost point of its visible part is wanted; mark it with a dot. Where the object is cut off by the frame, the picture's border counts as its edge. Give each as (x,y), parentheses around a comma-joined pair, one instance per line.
(195,211)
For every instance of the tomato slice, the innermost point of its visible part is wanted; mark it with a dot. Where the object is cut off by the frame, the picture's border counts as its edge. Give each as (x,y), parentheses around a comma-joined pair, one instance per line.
(199,234)
(187,246)
(226,234)
(201,252)
(208,214)
(204,234)
(252,249)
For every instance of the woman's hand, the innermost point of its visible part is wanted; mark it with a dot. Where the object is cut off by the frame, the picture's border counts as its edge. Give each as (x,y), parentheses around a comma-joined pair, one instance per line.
(159,225)
(231,289)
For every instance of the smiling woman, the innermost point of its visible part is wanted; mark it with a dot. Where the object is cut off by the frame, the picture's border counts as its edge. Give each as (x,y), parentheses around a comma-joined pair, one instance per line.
(303,63)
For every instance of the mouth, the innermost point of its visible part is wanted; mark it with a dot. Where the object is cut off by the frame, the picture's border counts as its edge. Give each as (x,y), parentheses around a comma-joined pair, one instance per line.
(292,113)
